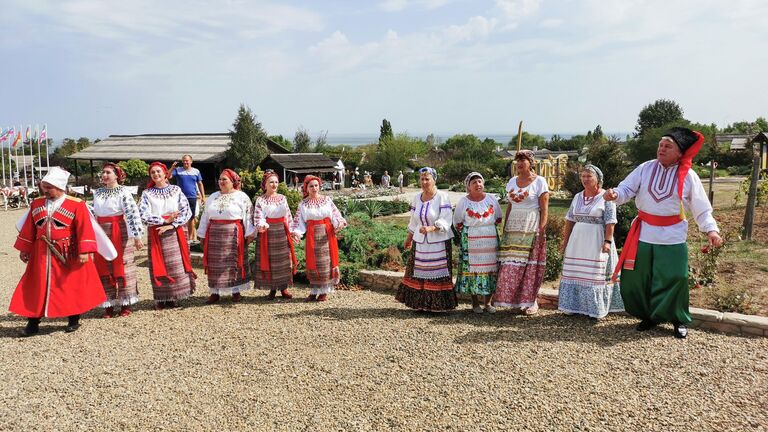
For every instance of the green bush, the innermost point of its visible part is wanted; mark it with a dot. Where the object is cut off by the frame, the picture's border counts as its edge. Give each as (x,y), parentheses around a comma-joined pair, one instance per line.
(555,226)
(625,213)
(730,299)
(739,170)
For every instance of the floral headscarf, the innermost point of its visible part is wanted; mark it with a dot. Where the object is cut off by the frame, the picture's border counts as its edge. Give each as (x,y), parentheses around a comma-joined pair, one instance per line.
(265,178)
(429,170)
(471,176)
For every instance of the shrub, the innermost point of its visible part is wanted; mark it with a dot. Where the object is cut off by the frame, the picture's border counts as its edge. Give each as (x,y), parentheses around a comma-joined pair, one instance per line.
(554,233)
(730,299)
(625,213)
(135,171)
(738,170)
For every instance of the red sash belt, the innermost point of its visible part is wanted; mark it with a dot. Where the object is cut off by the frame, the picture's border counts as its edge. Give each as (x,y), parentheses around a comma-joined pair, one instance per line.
(629,252)
(156,254)
(264,248)
(240,243)
(118,268)
(333,245)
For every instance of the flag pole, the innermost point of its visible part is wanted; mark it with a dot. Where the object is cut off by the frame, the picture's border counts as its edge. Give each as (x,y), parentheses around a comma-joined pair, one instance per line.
(24,159)
(47,161)
(519,135)
(2,153)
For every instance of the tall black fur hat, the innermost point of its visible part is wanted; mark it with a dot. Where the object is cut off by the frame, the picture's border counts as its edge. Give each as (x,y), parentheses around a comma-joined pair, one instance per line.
(683,137)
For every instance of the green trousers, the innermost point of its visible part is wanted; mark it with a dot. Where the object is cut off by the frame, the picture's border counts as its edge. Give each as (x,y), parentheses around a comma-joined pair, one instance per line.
(657,289)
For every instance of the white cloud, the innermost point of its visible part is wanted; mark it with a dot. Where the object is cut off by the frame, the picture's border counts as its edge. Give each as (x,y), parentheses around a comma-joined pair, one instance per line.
(401,5)
(514,11)
(393,5)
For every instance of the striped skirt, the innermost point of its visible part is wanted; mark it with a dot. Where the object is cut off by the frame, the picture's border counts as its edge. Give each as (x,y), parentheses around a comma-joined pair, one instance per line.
(280,274)
(119,293)
(478,261)
(224,274)
(434,292)
(184,283)
(522,260)
(321,282)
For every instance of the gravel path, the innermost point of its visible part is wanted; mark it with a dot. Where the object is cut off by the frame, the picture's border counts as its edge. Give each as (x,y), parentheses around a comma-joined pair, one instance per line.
(363,362)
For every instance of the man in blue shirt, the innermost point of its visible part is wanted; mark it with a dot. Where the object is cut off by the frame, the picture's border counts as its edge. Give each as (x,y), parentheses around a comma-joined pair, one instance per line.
(191,183)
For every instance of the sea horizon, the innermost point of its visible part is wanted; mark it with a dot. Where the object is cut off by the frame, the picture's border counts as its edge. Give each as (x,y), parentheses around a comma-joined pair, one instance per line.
(359,139)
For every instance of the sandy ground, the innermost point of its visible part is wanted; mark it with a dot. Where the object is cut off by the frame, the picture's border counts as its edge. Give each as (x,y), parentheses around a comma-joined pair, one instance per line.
(361,361)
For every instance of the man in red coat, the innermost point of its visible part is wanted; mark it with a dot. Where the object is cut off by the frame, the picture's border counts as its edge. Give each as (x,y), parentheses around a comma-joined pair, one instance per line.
(56,241)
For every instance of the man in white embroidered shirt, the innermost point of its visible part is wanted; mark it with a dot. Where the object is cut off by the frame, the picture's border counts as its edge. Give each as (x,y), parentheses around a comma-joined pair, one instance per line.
(654,260)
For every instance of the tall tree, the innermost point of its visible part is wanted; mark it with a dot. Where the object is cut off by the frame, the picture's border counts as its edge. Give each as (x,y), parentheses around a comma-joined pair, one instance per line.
(658,114)
(321,142)
(282,141)
(529,141)
(302,143)
(249,141)
(385,131)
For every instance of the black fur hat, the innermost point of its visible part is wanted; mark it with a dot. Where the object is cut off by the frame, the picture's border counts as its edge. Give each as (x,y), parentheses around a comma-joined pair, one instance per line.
(683,137)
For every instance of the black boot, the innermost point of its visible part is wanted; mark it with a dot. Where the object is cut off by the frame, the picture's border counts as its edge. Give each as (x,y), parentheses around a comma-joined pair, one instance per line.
(73,324)
(32,328)
(645,325)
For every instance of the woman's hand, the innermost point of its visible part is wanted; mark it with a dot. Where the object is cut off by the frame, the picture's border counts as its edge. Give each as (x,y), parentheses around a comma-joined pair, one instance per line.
(171,215)
(296,238)
(165,228)
(138,244)
(427,229)
(24,257)
(84,258)
(606,248)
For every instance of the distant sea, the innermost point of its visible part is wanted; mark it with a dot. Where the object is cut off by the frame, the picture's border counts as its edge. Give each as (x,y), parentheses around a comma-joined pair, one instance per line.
(355,140)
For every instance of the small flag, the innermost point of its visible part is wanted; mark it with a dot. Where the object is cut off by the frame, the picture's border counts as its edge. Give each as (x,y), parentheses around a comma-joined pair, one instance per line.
(43,135)
(28,134)
(7,134)
(17,140)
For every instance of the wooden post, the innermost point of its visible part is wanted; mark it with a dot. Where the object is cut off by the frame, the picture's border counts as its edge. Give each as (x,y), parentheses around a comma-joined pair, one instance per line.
(519,135)
(749,215)
(712,166)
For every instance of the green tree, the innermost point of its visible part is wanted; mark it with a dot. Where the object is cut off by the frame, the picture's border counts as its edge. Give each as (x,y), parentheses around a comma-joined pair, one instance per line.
(660,113)
(282,141)
(321,142)
(249,141)
(385,132)
(395,153)
(529,141)
(466,153)
(302,142)
(135,170)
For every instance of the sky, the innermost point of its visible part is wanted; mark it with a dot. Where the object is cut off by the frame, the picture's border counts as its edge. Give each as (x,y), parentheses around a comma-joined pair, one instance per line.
(95,68)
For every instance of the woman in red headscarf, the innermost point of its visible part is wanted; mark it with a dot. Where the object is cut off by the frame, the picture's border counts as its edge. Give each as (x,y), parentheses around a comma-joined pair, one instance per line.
(117,213)
(225,223)
(275,261)
(319,218)
(165,210)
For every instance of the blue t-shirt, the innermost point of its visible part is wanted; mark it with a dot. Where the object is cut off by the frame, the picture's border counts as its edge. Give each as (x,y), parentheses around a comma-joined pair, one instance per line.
(187,180)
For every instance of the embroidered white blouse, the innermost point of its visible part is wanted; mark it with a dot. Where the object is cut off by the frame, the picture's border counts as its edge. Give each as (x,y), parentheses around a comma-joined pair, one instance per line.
(119,201)
(232,206)
(592,210)
(655,191)
(157,202)
(477,213)
(526,197)
(435,212)
(273,207)
(316,209)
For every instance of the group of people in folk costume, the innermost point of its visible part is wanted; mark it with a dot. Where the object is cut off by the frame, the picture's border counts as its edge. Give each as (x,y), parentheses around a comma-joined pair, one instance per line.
(64,276)
(508,272)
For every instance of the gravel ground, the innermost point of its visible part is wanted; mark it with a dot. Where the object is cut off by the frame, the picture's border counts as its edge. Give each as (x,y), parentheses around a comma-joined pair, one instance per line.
(363,362)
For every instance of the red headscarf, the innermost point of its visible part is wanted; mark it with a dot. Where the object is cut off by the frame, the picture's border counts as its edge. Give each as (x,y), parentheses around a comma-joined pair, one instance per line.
(266,177)
(232,176)
(118,171)
(152,165)
(305,186)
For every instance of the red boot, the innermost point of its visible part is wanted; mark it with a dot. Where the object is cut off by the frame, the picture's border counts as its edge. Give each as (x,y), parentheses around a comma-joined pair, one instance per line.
(311,298)
(213,298)
(285,294)
(125,311)
(322,297)
(109,312)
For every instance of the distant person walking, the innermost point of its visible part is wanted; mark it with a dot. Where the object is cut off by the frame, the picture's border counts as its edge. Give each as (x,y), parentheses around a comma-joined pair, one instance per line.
(400,179)
(191,183)
(385,180)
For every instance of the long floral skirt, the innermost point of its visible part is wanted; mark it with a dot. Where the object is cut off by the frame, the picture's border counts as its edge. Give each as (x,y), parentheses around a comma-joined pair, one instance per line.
(522,260)
(478,261)
(427,284)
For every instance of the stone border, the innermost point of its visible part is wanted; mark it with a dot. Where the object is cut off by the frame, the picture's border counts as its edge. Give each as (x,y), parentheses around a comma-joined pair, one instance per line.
(726,322)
